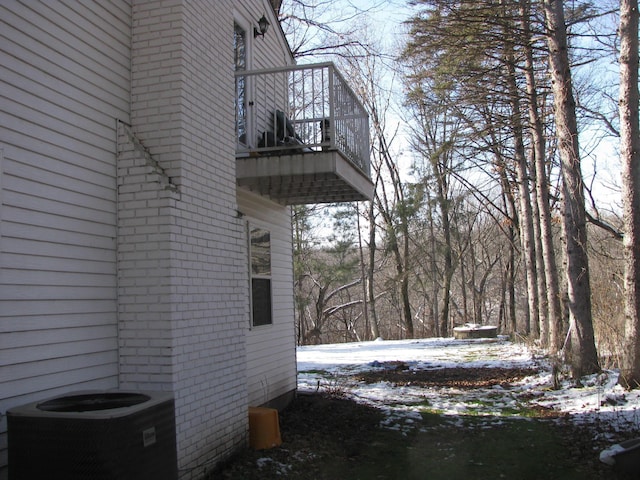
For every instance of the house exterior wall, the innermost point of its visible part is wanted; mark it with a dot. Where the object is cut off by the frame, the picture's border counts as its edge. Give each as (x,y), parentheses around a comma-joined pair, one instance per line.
(64,75)
(123,248)
(270,349)
(271,364)
(270,50)
(193,282)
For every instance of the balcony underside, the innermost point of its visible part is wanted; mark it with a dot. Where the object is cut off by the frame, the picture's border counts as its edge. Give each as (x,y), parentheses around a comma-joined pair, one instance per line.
(304,178)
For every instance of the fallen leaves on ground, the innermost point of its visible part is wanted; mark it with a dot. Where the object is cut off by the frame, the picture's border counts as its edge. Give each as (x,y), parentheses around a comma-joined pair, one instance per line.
(458,377)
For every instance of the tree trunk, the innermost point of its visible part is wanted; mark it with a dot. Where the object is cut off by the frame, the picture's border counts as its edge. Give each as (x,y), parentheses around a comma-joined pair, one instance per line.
(510,278)
(553,329)
(435,307)
(301,333)
(583,355)
(364,274)
(406,305)
(543,302)
(464,282)
(375,330)
(524,197)
(448,260)
(630,156)
(393,225)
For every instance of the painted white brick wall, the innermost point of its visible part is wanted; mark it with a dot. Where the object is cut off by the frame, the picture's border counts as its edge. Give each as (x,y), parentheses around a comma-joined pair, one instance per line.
(183,284)
(144,232)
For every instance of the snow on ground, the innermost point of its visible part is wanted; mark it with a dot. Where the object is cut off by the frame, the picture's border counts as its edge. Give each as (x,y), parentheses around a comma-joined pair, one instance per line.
(599,402)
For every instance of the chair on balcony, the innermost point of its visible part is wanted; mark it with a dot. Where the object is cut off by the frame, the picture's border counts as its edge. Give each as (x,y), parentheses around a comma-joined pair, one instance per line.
(325,131)
(284,135)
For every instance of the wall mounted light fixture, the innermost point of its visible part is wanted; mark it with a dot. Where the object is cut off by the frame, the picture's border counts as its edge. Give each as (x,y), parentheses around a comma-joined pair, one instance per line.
(263,25)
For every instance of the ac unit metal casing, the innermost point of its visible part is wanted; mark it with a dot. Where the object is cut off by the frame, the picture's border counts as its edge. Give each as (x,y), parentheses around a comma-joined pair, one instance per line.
(97,435)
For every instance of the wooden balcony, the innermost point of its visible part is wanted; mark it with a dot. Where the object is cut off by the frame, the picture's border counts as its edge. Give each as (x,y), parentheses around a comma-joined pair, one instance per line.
(302,136)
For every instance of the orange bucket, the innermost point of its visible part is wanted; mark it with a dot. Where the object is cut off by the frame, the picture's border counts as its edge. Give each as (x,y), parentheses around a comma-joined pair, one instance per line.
(264,428)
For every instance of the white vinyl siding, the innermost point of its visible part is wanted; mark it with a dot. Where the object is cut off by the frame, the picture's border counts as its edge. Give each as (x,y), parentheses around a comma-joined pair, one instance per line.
(64,71)
(267,51)
(271,362)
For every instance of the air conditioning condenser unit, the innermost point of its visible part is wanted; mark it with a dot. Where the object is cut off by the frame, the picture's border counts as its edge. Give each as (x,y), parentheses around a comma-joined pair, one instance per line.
(96,435)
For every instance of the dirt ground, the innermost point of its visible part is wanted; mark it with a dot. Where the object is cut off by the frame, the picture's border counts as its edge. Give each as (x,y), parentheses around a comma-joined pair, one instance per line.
(447,377)
(328,436)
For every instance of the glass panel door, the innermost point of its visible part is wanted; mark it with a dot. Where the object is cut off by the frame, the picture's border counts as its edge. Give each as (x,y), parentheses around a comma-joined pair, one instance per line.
(240,50)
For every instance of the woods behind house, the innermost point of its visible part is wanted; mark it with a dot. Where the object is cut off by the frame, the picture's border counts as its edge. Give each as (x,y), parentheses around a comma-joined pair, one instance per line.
(485,209)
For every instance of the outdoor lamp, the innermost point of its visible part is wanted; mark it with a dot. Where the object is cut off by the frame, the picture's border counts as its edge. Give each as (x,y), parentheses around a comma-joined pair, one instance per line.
(263,24)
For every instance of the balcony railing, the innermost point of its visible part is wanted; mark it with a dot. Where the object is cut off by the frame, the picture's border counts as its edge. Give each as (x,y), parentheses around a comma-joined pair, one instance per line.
(299,110)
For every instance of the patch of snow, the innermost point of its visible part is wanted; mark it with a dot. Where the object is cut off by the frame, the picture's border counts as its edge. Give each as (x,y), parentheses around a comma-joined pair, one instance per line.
(331,368)
(608,456)
(280,468)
